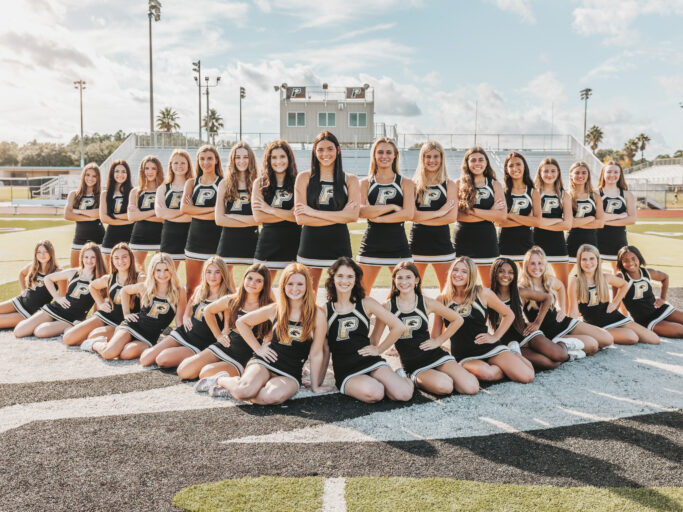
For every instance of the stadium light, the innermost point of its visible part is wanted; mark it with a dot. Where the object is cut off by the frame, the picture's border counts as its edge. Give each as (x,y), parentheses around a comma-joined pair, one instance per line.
(153,12)
(585,94)
(80,85)
(243,94)
(207,86)
(197,68)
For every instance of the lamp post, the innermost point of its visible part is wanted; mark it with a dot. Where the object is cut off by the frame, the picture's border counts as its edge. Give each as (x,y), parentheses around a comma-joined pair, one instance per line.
(585,94)
(197,68)
(80,85)
(243,94)
(207,86)
(153,12)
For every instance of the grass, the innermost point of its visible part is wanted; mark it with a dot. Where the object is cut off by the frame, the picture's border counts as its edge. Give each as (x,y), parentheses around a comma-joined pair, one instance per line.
(9,193)
(9,225)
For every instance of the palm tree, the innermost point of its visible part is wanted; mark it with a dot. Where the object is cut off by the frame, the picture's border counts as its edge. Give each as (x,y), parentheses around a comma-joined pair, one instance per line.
(213,122)
(594,137)
(167,120)
(631,148)
(642,140)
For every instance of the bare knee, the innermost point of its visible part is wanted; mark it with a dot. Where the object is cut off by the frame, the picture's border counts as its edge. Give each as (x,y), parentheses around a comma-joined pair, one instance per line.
(244,391)
(441,385)
(42,331)
(370,394)
(523,375)
(109,354)
(70,339)
(186,371)
(147,359)
(402,393)
(491,372)
(165,360)
(20,331)
(604,339)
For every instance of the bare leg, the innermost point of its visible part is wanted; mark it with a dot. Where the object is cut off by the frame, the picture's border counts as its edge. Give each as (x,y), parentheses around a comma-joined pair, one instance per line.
(538,360)
(149,354)
(7,307)
(172,357)
(485,275)
(395,387)
(669,329)
(603,337)
(231,279)
(514,366)
(370,273)
(556,352)
(644,334)
(364,388)
(107,260)
(51,329)
(482,370)
(315,278)
(27,326)
(77,334)
(441,271)
(106,330)
(75,255)
(191,367)
(248,385)
(112,348)
(561,271)
(463,381)
(140,259)
(220,366)
(193,271)
(276,391)
(132,350)
(623,336)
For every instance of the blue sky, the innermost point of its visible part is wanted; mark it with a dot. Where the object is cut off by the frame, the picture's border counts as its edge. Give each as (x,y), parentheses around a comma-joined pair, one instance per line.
(429,61)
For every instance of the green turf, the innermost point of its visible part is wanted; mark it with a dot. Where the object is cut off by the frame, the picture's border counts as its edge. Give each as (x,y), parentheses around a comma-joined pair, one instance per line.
(663,229)
(262,494)
(13,225)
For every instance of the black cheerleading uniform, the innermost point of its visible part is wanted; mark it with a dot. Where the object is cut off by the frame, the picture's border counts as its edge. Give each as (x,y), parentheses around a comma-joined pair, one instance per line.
(80,302)
(612,238)
(320,246)
(35,298)
(512,334)
(115,317)
(579,236)
(552,329)
(117,233)
(478,240)
(552,242)
(384,244)
(291,356)
(640,301)
(199,336)
(416,330)
(146,235)
(237,245)
(515,241)
(239,352)
(87,230)
(595,312)
(463,346)
(152,320)
(278,242)
(431,244)
(202,239)
(346,334)
(173,233)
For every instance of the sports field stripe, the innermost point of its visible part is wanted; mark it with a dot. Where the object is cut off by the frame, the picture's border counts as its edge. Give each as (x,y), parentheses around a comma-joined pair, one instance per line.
(673,368)
(333,495)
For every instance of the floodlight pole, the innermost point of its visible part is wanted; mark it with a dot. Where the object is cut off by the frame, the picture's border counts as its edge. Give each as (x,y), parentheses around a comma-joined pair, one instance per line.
(80,85)
(153,12)
(585,94)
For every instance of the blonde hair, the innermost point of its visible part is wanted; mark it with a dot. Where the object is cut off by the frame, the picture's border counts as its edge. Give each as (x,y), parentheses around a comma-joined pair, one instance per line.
(587,187)
(32,275)
(601,286)
(203,291)
(231,184)
(538,181)
(526,281)
(142,177)
(150,286)
(622,181)
(471,288)
(308,307)
(373,160)
(420,173)
(171,175)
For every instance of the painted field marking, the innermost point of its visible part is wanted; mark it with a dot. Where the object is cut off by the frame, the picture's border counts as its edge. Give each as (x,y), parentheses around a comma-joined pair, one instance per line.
(673,368)
(333,495)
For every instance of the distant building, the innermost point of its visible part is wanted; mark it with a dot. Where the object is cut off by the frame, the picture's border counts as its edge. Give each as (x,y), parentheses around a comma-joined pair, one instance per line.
(348,112)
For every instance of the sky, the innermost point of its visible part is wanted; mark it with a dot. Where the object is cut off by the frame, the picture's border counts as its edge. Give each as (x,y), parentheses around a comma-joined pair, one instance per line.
(523,62)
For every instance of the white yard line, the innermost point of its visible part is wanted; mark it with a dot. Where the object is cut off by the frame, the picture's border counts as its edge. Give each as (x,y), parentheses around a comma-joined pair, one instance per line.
(333,495)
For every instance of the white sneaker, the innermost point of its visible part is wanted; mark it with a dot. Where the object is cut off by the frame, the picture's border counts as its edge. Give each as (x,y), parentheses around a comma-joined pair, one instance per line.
(87,344)
(206,383)
(576,354)
(514,347)
(401,373)
(217,391)
(572,343)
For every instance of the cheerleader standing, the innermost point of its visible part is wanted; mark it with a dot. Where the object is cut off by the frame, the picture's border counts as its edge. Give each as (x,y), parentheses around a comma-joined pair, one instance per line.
(233,210)
(523,209)
(587,209)
(34,295)
(387,202)
(620,211)
(481,202)
(326,200)
(167,203)
(435,209)
(82,206)
(146,235)
(114,207)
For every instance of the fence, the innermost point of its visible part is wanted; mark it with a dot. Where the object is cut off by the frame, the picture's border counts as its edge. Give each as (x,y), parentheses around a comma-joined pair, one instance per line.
(659,161)
(26,188)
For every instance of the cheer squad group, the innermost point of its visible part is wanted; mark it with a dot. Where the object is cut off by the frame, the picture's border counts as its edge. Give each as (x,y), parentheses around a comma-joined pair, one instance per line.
(530,313)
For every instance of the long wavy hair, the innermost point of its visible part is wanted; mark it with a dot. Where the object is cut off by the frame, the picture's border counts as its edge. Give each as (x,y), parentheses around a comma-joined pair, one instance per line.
(284,308)
(625,250)
(601,286)
(405,265)
(267,179)
(82,187)
(203,291)
(526,177)
(587,187)
(170,176)
(373,160)
(471,288)
(339,180)
(421,173)
(132,273)
(142,177)
(31,278)
(124,188)
(231,179)
(150,288)
(515,300)
(218,168)
(547,278)
(100,268)
(538,181)
(622,181)
(238,299)
(357,292)
(467,194)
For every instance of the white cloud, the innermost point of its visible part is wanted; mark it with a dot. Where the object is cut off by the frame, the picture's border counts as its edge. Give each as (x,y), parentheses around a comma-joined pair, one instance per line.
(518,7)
(547,88)
(612,67)
(672,84)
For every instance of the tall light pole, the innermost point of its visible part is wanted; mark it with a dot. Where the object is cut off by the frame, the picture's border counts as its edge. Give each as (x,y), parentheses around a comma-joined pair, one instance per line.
(207,86)
(80,85)
(197,68)
(153,12)
(243,94)
(585,94)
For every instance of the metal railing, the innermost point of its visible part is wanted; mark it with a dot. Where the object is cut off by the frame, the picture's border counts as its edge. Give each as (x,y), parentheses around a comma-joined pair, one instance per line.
(653,163)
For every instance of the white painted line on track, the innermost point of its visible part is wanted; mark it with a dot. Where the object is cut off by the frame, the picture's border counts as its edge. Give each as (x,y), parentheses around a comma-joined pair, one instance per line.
(501,425)
(580,414)
(632,401)
(333,495)
(541,422)
(673,368)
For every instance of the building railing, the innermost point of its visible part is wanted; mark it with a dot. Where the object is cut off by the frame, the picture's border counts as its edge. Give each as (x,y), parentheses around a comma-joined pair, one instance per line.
(658,161)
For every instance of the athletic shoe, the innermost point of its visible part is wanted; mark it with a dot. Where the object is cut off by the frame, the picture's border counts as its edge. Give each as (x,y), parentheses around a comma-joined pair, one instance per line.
(217,391)
(514,347)
(87,344)
(401,373)
(572,343)
(576,354)
(206,383)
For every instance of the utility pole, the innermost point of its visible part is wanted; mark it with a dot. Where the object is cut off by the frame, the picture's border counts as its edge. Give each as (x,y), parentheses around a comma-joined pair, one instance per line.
(80,85)
(585,94)
(197,68)
(208,86)
(243,94)
(153,12)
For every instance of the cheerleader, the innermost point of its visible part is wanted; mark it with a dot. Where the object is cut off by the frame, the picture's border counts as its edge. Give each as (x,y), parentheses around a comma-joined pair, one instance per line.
(230,353)
(55,317)
(167,203)
(273,207)
(556,217)
(82,206)
(589,294)
(114,207)
(523,209)
(161,299)
(435,210)
(34,294)
(587,210)
(620,211)
(274,374)
(195,334)
(359,369)
(655,314)
(233,210)
(146,235)
(557,326)
(326,200)
(109,314)
(387,202)
(199,202)
(481,202)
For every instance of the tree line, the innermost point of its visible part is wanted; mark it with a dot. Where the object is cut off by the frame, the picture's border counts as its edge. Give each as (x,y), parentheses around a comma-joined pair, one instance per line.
(627,154)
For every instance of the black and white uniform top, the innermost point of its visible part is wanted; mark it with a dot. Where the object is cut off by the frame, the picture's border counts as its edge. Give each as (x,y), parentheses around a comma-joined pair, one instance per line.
(612,238)
(115,316)
(579,236)
(474,318)
(347,333)
(239,352)
(35,298)
(152,320)
(199,336)
(552,242)
(515,241)
(237,245)
(384,244)
(291,356)
(595,312)
(173,233)
(278,242)
(640,301)
(552,329)
(478,240)
(202,240)
(117,233)
(416,330)
(320,246)
(512,334)
(431,244)
(87,230)
(80,302)
(146,235)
